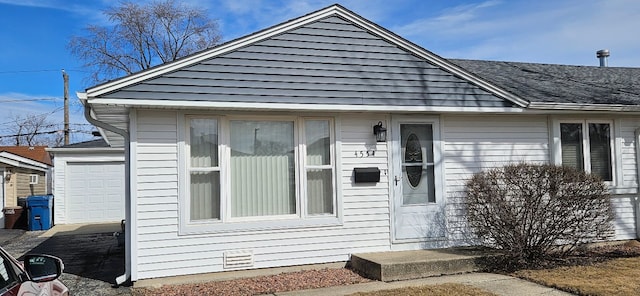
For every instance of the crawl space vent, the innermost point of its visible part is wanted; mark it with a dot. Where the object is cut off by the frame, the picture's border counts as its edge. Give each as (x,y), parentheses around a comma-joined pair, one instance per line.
(238,259)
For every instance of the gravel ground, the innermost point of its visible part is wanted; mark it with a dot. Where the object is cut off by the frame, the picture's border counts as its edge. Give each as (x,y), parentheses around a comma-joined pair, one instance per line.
(290,281)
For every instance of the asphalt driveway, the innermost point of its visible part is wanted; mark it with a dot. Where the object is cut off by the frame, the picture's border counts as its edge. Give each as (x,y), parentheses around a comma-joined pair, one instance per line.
(91,256)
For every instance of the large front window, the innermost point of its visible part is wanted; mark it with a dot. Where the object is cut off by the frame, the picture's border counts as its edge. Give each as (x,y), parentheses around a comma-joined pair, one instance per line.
(262,168)
(586,145)
(241,169)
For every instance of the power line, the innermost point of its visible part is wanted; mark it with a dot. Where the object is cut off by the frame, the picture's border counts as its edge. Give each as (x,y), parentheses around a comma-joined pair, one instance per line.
(28,71)
(29,118)
(41,71)
(28,100)
(45,133)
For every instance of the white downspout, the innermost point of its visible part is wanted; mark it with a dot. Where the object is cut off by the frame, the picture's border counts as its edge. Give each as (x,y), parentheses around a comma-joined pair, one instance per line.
(636,134)
(127,185)
(2,196)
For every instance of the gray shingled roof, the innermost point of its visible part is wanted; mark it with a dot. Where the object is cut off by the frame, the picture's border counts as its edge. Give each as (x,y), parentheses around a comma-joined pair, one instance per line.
(546,83)
(97,143)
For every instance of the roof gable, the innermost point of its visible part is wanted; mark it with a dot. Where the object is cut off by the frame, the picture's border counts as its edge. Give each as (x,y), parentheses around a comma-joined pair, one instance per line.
(339,46)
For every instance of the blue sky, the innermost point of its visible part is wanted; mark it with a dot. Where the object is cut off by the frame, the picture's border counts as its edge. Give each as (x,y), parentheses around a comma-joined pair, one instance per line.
(35,33)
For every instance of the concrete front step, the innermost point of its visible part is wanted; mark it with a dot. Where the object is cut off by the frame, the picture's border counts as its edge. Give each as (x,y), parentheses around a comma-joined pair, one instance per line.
(405,265)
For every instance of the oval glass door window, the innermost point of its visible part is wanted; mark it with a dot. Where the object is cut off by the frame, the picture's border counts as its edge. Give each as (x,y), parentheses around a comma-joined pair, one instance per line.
(413,155)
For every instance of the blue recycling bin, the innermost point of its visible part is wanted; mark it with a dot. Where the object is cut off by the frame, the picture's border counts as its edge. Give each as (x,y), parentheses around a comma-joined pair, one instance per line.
(39,212)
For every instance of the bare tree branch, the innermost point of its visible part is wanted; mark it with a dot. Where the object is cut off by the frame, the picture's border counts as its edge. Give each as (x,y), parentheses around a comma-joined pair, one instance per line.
(142,36)
(32,130)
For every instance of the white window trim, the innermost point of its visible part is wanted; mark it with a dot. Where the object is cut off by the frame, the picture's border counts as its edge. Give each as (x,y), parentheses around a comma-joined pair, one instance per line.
(33,179)
(304,166)
(228,224)
(613,135)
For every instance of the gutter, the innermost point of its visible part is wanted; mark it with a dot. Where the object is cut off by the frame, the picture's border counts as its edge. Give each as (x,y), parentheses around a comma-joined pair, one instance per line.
(636,134)
(584,107)
(127,191)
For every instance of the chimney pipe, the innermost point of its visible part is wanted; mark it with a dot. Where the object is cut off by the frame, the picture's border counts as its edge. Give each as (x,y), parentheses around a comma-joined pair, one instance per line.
(603,55)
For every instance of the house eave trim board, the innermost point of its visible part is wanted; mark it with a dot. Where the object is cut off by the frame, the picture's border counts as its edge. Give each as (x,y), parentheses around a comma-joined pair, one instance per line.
(334,10)
(85,150)
(585,107)
(302,107)
(21,162)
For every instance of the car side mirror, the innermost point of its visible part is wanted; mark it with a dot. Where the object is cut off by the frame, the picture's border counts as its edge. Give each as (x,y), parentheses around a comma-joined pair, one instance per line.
(43,268)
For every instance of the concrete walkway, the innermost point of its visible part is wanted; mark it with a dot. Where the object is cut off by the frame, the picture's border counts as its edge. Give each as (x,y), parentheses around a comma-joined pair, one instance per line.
(498,284)
(73,243)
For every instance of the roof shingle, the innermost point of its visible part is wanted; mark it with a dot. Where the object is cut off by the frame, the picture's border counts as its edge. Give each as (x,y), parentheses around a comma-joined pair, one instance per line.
(549,83)
(36,153)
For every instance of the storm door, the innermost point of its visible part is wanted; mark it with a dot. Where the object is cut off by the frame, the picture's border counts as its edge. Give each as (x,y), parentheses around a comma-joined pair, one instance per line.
(417,180)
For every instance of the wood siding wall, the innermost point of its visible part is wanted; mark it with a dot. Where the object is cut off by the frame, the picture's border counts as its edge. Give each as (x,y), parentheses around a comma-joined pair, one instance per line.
(24,189)
(327,62)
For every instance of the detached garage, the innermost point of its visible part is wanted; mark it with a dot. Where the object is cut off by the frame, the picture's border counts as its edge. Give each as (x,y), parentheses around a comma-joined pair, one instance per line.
(88,183)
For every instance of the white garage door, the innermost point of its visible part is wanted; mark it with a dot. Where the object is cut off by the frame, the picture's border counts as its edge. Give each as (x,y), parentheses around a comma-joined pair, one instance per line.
(94,192)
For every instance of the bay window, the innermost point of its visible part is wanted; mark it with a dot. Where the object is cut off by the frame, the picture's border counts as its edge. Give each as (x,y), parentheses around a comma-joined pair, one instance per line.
(587,145)
(242,170)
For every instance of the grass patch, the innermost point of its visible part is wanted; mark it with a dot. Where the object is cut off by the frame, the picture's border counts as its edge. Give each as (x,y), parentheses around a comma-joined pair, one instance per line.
(613,277)
(430,290)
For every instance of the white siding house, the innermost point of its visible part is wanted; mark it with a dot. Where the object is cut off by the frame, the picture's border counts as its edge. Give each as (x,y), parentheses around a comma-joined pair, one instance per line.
(249,154)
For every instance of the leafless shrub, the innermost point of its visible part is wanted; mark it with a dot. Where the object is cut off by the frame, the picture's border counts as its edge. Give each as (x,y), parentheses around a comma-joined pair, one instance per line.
(530,211)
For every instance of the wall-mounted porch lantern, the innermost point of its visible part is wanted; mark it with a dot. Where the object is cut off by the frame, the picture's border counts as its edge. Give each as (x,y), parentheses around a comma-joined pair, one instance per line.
(380,132)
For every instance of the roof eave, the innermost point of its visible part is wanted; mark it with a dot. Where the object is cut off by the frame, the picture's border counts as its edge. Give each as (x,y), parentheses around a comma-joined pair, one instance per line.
(584,107)
(22,162)
(85,150)
(174,104)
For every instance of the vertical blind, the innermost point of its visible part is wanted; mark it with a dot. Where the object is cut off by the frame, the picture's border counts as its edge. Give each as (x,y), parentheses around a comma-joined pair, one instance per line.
(204,171)
(600,150)
(598,147)
(319,168)
(262,168)
(571,142)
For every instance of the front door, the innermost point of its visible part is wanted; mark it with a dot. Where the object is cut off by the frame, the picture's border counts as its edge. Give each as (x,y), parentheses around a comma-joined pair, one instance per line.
(417,182)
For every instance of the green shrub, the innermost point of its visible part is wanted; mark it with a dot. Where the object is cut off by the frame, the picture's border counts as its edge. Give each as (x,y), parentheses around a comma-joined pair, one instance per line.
(530,211)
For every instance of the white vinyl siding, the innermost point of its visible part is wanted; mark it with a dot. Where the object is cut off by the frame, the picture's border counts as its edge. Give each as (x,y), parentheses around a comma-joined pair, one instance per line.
(471,144)
(477,143)
(162,251)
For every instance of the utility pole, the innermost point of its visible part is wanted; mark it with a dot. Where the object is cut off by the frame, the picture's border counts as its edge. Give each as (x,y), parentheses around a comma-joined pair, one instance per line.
(65,78)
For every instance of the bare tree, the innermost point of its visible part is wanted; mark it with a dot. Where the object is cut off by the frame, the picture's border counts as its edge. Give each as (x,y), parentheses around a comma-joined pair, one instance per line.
(32,130)
(142,36)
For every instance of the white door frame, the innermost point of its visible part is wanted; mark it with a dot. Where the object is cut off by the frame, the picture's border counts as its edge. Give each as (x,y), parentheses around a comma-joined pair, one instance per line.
(437,208)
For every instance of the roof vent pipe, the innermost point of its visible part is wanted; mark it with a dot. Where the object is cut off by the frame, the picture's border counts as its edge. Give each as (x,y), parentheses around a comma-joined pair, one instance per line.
(603,55)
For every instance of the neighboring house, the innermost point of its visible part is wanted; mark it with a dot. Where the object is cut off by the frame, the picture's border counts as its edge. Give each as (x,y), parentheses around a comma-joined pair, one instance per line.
(89,183)
(260,152)
(24,171)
